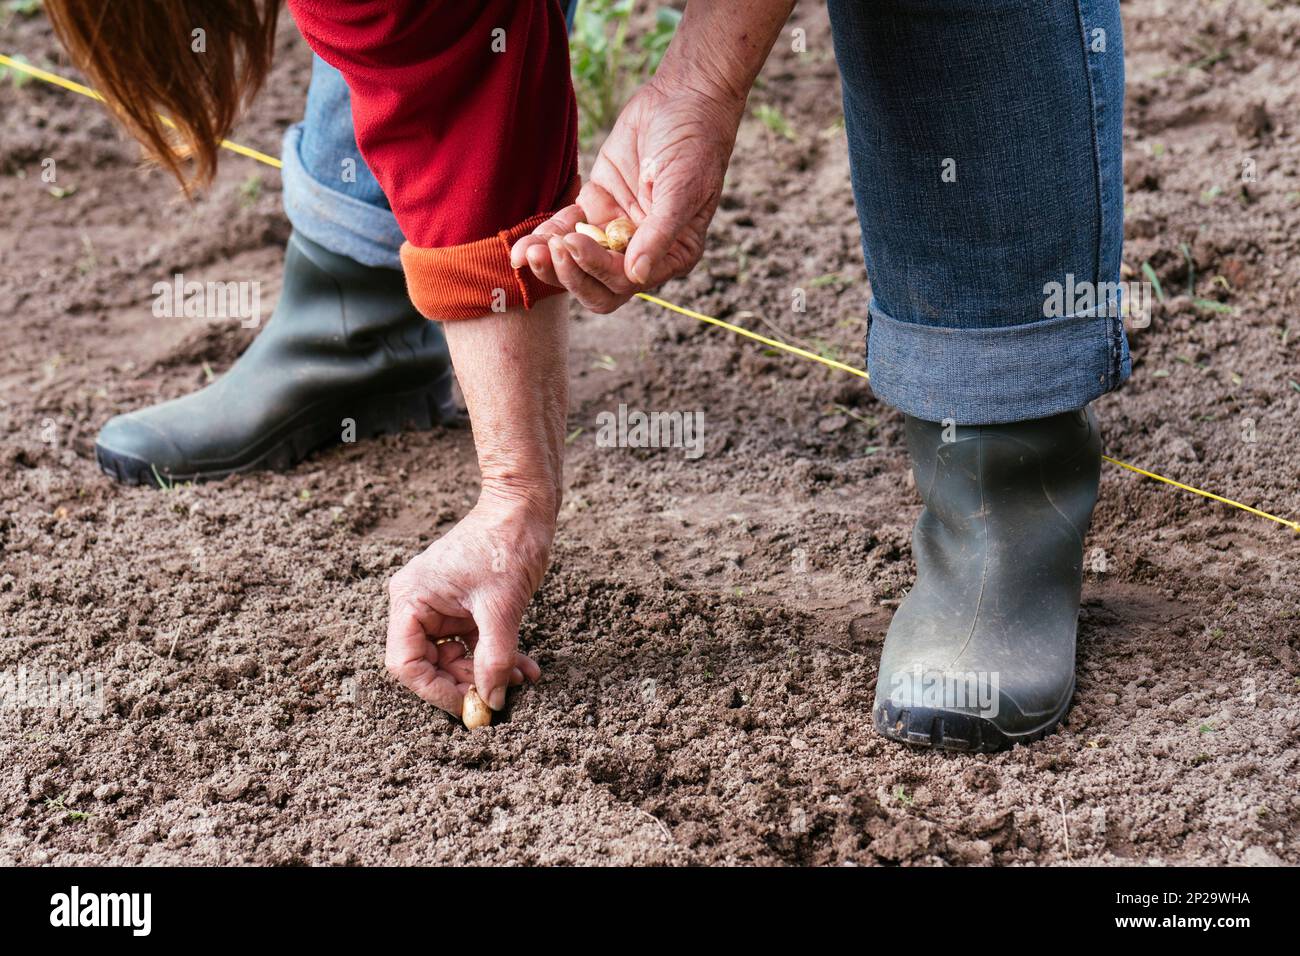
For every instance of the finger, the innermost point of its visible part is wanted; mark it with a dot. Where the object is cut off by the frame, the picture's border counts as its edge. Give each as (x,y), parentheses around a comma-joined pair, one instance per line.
(405,657)
(539,260)
(519,251)
(601,264)
(670,215)
(560,224)
(529,667)
(531,670)
(589,291)
(410,621)
(441,658)
(462,668)
(462,672)
(495,654)
(600,205)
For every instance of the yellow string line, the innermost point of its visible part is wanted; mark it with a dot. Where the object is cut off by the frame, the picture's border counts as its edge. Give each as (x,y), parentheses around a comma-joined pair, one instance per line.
(774,343)
(664,304)
(76,87)
(1293,525)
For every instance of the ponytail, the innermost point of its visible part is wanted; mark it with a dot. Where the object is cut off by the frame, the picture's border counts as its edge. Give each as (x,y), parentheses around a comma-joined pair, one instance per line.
(197,62)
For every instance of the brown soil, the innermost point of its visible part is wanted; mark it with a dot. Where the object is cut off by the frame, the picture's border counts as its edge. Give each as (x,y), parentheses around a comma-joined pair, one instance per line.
(704,700)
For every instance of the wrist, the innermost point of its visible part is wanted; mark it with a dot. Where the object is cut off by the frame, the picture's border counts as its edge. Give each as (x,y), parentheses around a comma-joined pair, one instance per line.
(704,86)
(534,499)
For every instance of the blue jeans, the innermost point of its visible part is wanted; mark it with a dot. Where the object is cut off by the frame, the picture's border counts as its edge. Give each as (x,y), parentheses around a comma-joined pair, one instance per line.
(330,195)
(985,149)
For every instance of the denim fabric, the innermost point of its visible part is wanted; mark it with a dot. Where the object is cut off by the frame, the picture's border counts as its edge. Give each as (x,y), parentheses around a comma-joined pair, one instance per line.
(330,195)
(985,148)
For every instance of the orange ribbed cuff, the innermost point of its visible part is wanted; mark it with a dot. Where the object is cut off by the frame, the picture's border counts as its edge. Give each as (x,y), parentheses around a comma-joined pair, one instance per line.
(476,279)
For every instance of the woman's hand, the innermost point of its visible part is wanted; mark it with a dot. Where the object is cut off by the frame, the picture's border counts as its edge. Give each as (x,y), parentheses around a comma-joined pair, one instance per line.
(662,167)
(475,582)
(469,590)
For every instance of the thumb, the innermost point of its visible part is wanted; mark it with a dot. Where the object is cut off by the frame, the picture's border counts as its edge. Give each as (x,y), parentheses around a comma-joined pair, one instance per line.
(671,212)
(495,652)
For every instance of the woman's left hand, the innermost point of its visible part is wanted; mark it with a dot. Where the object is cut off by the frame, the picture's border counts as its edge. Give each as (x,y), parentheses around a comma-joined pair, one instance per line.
(662,167)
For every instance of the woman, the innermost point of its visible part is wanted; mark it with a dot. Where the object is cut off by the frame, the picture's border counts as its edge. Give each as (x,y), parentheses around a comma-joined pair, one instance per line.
(985,147)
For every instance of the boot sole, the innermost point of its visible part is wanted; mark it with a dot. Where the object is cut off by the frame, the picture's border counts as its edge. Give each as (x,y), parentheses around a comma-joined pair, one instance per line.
(419,410)
(954,730)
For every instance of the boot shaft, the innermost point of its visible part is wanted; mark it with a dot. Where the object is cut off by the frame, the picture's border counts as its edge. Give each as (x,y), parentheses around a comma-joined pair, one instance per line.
(1008,472)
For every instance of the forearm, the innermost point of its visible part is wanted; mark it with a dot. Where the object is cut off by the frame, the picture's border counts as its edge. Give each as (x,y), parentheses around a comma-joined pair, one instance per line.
(721,45)
(513,370)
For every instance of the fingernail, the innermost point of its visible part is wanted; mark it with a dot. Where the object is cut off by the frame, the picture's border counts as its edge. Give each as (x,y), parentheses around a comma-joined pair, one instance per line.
(497,699)
(573,248)
(640,269)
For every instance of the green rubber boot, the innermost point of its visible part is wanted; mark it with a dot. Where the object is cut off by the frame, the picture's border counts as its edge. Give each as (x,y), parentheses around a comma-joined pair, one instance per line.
(980,655)
(344,356)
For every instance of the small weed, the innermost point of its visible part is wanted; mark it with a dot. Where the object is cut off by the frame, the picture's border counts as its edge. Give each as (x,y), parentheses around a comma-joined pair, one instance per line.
(771,117)
(165,484)
(831,278)
(1212,306)
(89,261)
(845,410)
(826,350)
(900,794)
(70,814)
(1154,279)
(250,190)
(1186,250)
(18,78)
(834,129)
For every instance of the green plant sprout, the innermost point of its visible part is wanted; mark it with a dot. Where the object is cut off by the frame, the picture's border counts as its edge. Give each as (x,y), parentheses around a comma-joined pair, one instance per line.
(606,65)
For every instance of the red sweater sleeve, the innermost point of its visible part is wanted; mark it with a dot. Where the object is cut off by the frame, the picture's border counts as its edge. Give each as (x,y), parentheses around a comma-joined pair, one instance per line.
(465,113)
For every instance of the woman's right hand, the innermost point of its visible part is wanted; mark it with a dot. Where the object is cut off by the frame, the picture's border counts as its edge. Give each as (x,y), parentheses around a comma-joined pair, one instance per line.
(466,595)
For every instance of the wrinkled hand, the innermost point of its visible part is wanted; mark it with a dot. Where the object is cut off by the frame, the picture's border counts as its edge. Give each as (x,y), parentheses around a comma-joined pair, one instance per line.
(662,167)
(472,584)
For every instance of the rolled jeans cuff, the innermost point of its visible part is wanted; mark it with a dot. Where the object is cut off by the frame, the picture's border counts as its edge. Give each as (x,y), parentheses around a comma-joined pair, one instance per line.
(341,223)
(994,376)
